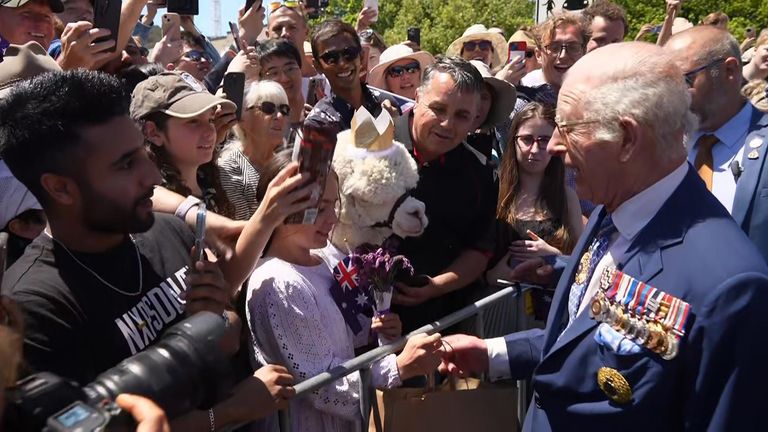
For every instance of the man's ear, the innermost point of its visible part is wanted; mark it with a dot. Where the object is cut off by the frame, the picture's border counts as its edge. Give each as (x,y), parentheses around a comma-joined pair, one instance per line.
(317,65)
(62,190)
(170,67)
(732,69)
(365,52)
(539,55)
(153,133)
(632,134)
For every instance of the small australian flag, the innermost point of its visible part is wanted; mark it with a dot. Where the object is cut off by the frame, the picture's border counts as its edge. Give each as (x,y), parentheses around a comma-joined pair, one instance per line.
(350,298)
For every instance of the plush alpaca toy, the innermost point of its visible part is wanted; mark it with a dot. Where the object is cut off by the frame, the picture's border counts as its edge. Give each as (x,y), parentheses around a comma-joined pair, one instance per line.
(375,175)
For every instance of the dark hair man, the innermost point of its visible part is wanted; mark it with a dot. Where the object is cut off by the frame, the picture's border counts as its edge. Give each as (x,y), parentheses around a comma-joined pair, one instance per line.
(107,276)
(608,23)
(338,55)
(649,321)
(458,189)
(728,150)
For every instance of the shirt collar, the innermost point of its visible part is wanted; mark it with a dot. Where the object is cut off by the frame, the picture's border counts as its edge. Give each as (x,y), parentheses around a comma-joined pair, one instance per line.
(635,213)
(732,131)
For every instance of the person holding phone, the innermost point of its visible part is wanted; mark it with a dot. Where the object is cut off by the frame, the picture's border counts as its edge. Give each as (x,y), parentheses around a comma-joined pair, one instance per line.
(176,114)
(757,68)
(399,70)
(259,133)
(537,214)
(294,320)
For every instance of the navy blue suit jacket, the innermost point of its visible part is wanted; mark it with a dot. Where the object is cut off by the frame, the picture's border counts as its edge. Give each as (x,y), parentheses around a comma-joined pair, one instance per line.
(750,203)
(691,249)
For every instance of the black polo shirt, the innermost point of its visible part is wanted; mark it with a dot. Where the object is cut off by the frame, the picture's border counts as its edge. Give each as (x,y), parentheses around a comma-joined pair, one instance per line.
(334,107)
(460,193)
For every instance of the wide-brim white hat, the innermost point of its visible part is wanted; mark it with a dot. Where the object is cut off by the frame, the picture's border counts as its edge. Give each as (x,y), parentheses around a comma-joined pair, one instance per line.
(479,32)
(391,56)
(504,96)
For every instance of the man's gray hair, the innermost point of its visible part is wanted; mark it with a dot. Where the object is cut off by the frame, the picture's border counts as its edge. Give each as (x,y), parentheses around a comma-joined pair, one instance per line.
(466,78)
(726,47)
(651,90)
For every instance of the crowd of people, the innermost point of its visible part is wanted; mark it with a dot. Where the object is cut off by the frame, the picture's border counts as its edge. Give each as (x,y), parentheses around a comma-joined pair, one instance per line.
(623,178)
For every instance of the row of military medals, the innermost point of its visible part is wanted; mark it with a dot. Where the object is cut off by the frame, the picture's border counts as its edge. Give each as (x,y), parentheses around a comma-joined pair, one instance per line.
(650,317)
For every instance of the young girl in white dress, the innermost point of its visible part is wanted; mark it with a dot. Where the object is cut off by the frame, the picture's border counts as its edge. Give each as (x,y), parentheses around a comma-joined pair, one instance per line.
(294,322)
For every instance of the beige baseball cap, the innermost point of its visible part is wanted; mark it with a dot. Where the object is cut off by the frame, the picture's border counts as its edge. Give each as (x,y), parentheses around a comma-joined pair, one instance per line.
(175,94)
(23,62)
(56,5)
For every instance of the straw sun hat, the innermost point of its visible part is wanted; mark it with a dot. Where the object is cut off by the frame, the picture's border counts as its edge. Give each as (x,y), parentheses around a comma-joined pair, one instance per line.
(480,32)
(391,56)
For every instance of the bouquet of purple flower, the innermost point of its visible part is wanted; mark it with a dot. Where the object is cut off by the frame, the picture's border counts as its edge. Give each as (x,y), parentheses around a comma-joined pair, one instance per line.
(376,271)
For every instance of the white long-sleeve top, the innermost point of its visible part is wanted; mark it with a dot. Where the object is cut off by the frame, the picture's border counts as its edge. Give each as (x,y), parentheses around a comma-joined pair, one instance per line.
(295,322)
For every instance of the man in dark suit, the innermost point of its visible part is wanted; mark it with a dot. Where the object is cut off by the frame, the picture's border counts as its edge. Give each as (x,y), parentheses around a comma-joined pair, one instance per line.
(655,325)
(728,150)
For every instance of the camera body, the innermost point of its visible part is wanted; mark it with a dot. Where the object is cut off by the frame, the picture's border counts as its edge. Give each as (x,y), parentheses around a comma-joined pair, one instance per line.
(183,371)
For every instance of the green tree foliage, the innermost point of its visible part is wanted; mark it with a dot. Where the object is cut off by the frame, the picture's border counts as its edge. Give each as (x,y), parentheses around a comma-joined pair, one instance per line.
(442,21)
(743,13)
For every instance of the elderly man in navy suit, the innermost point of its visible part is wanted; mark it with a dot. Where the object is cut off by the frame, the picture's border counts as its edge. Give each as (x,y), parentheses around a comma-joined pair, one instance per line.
(659,319)
(728,150)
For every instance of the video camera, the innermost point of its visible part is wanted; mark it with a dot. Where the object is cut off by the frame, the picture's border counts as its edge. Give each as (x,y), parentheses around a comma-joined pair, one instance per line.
(183,371)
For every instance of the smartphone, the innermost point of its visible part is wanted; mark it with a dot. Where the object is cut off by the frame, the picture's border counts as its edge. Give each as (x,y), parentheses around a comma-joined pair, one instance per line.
(200,232)
(414,35)
(312,91)
(517,49)
(106,15)
(657,29)
(248,4)
(750,32)
(234,87)
(236,36)
(372,4)
(184,7)
(171,25)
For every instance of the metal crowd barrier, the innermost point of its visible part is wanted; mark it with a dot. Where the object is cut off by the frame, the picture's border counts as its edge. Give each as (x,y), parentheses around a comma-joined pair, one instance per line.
(362,362)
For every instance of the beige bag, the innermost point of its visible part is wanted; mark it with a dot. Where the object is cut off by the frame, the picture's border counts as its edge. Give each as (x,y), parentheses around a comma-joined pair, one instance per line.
(458,406)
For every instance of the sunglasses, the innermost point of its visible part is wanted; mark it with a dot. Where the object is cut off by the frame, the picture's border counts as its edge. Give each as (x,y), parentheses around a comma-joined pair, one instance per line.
(275,5)
(332,57)
(270,108)
(529,54)
(483,45)
(398,71)
(196,56)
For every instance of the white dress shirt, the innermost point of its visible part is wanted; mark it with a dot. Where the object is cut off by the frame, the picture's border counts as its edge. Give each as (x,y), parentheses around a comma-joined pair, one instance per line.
(730,147)
(629,218)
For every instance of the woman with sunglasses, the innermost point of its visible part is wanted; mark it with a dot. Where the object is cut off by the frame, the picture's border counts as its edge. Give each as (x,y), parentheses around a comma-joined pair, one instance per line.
(478,43)
(295,322)
(194,60)
(537,215)
(259,133)
(400,70)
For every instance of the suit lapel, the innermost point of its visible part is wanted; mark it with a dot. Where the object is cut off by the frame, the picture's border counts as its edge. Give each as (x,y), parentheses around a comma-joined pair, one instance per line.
(560,300)
(753,168)
(642,261)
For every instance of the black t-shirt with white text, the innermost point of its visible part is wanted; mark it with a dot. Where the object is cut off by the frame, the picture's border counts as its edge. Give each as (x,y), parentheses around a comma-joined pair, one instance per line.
(76,325)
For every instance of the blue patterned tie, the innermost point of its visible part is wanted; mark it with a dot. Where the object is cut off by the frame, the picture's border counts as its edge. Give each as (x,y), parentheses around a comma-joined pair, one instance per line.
(596,251)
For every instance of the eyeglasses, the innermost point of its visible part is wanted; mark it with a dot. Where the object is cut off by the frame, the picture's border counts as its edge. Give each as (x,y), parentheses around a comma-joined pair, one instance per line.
(196,56)
(270,108)
(482,45)
(527,141)
(275,72)
(690,76)
(398,71)
(332,57)
(556,49)
(291,4)
(564,126)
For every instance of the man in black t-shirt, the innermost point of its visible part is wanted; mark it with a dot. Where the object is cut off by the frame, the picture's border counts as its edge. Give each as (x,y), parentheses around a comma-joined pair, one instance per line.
(91,293)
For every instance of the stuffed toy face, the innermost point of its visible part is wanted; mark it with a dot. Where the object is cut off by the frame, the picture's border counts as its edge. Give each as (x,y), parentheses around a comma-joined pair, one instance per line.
(373,200)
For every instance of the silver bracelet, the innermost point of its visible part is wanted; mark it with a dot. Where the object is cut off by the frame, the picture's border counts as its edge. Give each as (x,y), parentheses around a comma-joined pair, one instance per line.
(212,420)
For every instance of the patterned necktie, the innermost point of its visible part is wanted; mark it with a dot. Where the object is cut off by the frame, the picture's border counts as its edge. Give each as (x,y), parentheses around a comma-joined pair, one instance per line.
(703,162)
(587,265)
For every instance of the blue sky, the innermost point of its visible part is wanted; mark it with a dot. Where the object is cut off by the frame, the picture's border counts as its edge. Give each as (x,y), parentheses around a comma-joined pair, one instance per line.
(229,8)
